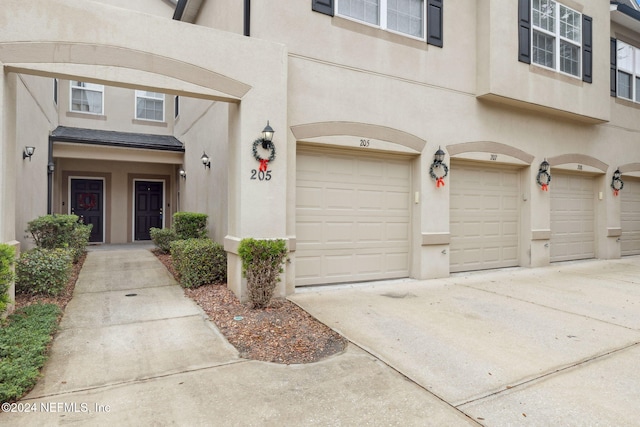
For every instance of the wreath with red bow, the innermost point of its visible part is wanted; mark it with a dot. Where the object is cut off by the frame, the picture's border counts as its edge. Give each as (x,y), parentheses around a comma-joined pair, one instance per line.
(87,201)
(267,145)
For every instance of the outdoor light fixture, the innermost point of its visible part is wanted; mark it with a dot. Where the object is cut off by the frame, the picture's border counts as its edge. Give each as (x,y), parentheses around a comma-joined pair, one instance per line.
(28,152)
(182,173)
(267,136)
(206,161)
(438,163)
(616,182)
(544,177)
(50,167)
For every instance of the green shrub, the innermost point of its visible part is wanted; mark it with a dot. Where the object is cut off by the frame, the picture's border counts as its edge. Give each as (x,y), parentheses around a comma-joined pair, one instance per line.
(162,238)
(261,265)
(190,225)
(23,347)
(199,262)
(60,231)
(43,271)
(7,258)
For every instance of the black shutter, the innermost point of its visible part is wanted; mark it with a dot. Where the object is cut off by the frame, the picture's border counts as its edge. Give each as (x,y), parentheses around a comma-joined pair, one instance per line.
(614,67)
(322,6)
(524,31)
(434,22)
(587,51)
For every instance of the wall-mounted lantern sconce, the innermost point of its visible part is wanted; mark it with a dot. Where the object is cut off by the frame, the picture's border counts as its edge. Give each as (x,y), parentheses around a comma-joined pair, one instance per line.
(28,152)
(206,161)
(51,167)
(183,173)
(439,164)
(266,141)
(616,182)
(544,177)
(267,136)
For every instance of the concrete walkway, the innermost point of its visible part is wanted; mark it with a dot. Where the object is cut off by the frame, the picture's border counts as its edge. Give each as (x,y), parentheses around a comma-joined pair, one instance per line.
(133,350)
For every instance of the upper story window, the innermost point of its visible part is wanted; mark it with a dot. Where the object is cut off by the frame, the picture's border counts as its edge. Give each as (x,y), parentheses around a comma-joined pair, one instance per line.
(402,16)
(556,38)
(87,97)
(628,71)
(149,105)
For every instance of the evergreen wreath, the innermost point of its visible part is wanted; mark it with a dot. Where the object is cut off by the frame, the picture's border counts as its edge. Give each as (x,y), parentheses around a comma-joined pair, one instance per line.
(544,185)
(617,185)
(439,179)
(267,145)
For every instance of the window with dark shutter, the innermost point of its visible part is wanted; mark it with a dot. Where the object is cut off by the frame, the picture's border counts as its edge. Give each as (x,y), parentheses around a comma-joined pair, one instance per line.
(434,22)
(323,6)
(614,64)
(524,31)
(587,56)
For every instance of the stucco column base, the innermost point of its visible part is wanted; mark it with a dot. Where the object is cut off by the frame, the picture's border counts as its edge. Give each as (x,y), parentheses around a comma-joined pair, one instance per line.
(434,262)
(540,253)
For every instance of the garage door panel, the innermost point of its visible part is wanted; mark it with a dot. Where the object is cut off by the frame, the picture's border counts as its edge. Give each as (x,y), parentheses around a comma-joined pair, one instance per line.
(484,217)
(359,227)
(572,217)
(630,217)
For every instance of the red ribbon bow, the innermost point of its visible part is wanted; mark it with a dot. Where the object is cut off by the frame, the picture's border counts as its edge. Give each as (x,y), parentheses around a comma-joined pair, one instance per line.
(615,192)
(263,164)
(545,187)
(440,182)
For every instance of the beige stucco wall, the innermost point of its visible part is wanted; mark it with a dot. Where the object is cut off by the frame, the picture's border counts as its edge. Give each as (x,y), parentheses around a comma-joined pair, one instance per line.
(204,129)
(36,115)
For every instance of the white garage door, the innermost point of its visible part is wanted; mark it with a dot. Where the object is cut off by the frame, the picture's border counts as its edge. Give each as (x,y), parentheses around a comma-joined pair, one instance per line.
(352,217)
(484,217)
(572,217)
(630,217)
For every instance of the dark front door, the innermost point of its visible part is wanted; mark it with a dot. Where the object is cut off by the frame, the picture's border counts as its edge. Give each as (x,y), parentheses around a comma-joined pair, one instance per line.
(148,212)
(86,202)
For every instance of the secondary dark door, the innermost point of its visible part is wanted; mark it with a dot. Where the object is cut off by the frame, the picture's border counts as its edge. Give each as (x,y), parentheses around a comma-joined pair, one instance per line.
(86,202)
(148,212)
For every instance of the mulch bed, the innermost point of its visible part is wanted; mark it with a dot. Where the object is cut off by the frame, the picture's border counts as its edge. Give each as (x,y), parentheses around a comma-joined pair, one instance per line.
(281,333)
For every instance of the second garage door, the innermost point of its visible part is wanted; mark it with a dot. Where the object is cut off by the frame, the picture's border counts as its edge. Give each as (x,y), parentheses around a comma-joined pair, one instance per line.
(484,217)
(352,216)
(572,217)
(630,217)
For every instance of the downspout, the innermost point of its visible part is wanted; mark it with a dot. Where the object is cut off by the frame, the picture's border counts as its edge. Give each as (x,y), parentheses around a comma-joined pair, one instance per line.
(247,18)
(50,168)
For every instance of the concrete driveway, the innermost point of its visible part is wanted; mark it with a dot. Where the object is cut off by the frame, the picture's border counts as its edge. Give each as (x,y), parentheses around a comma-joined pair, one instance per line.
(549,346)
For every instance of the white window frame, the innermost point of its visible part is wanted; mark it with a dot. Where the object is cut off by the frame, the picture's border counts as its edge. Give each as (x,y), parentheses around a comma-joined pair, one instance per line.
(382,19)
(558,40)
(142,94)
(634,72)
(93,87)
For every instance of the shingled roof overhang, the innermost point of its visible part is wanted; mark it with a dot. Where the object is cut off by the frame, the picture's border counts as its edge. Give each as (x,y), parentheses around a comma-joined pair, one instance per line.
(116,139)
(625,15)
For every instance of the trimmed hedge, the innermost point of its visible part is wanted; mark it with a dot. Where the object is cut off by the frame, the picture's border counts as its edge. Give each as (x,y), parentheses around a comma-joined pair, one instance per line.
(190,225)
(23,348)
(162,238)
(60,231)
(43,271)
(262,264)
(199,262)
(7,258)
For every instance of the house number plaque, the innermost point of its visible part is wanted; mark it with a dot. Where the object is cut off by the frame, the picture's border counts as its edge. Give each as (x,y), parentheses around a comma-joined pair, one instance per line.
(261,175)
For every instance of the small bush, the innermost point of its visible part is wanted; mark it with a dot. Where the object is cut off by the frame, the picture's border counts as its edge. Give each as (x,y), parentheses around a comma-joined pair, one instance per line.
(261,265)
(43,271)
(7,258)
(60,231)
(190,225)
(162,238)
(199,262)
(23,347)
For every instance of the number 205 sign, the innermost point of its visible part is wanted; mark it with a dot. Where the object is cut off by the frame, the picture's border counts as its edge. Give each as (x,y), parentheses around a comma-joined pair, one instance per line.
(260,175)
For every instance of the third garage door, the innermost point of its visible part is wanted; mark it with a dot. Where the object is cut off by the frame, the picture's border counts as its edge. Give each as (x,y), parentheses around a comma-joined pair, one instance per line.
(572,217)
(352,216)
(630,217)
(484,216)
